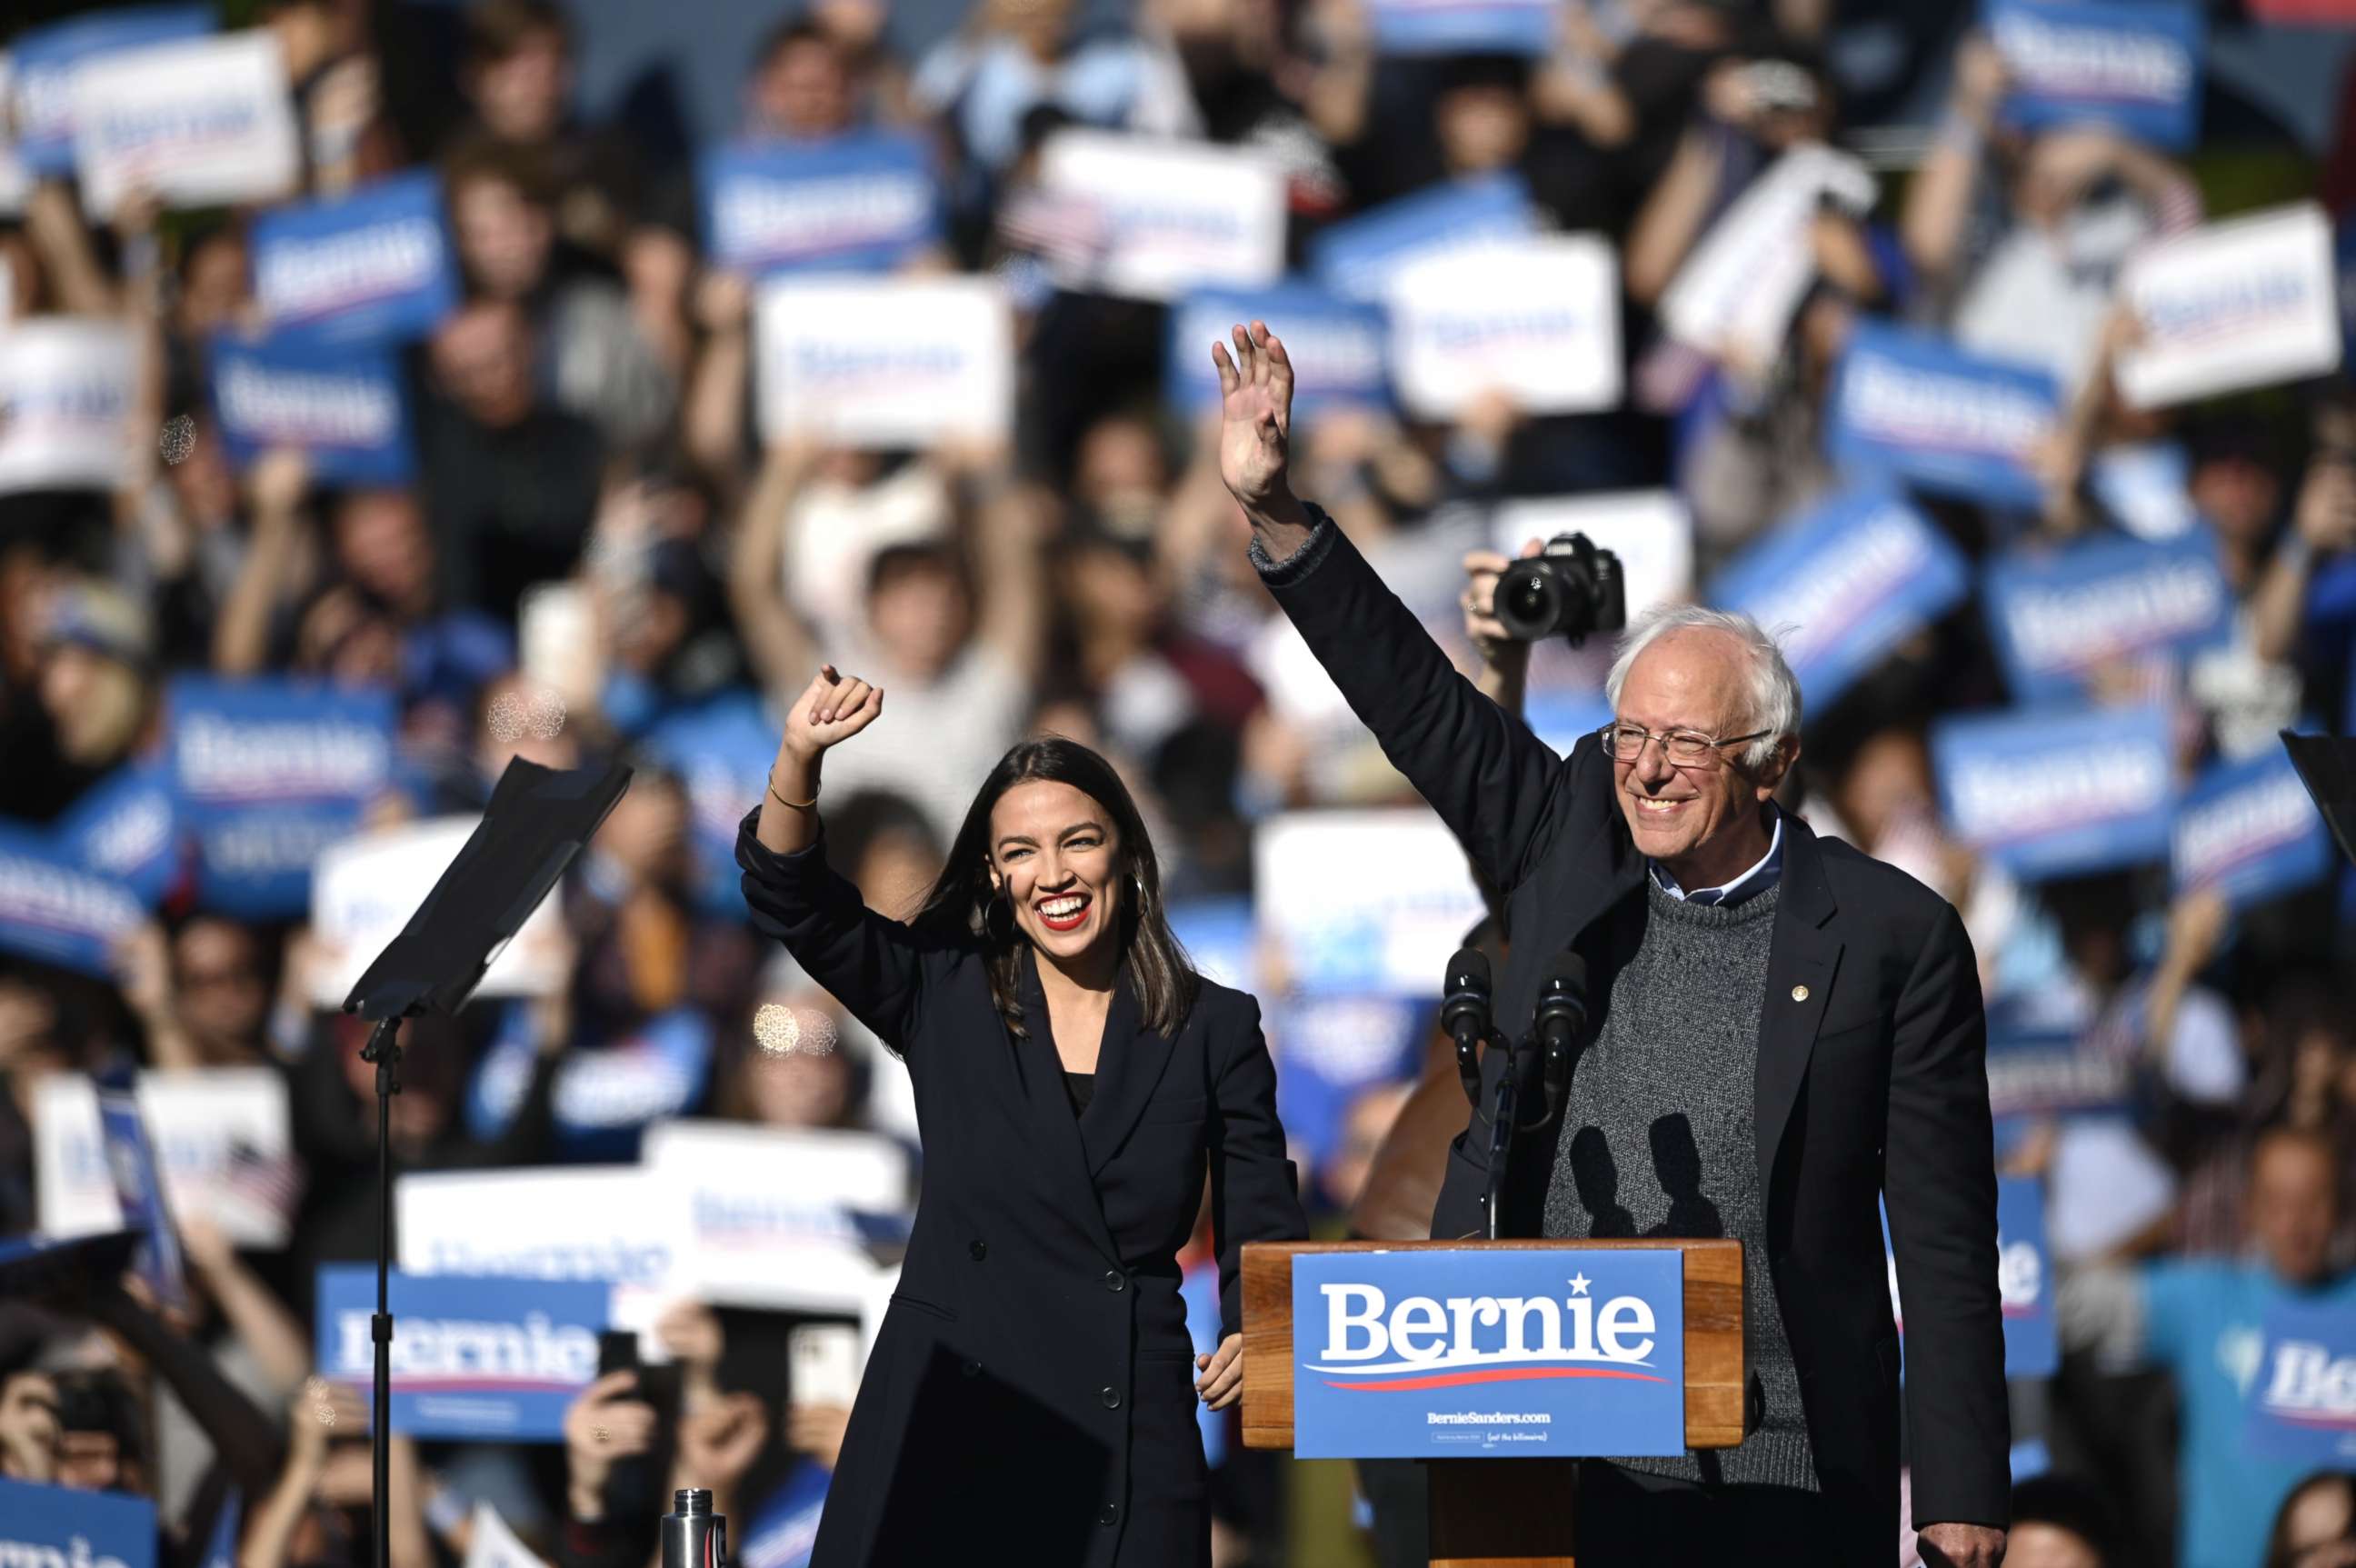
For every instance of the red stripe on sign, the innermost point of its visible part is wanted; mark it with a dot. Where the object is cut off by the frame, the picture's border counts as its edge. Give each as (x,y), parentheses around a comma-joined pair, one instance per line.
(2330,1423)
(1491,1375)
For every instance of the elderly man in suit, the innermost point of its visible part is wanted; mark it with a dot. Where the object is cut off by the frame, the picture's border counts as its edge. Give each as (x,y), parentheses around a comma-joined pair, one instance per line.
(1782,1030)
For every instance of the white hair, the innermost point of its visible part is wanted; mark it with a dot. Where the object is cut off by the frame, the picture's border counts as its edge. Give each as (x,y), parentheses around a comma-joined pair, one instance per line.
(1774,690)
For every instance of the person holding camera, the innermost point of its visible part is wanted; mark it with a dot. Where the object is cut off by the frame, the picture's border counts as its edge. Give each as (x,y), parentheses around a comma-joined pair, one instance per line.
(1784,1031)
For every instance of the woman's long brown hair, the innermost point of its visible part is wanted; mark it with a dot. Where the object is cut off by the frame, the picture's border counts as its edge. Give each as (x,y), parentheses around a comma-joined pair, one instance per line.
(958,909)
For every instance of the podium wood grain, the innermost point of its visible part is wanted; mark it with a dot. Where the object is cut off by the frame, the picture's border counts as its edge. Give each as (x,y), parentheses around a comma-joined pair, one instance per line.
(1714,1367)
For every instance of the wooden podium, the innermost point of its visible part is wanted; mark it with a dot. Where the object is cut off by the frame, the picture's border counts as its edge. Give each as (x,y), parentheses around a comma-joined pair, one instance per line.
(1505,1513)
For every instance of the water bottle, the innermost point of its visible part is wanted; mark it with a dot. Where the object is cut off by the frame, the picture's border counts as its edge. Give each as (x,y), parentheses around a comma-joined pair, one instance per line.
(693,1535)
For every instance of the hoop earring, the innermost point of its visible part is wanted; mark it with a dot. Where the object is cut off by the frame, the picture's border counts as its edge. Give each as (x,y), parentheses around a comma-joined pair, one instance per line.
(999,931)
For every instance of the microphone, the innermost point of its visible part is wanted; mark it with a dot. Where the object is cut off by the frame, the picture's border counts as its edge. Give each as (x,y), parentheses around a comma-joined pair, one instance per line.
(1464,1013)
(1561,1018)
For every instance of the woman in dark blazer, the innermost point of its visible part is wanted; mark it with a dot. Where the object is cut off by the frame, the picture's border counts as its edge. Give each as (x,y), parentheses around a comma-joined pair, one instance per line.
(1030,1396)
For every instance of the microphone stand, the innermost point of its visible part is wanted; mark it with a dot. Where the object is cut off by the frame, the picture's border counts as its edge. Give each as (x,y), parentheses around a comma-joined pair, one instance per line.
(384,1051)
(1504,1111)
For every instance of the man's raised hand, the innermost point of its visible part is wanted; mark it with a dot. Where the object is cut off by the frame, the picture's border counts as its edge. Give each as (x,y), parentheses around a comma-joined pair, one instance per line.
(1256,423)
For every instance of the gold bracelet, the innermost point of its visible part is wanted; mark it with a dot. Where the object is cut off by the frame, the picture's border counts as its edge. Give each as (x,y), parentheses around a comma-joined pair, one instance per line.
(797,805)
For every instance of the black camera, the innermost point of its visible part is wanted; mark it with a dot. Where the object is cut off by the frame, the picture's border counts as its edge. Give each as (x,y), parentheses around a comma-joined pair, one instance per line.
(1568,590)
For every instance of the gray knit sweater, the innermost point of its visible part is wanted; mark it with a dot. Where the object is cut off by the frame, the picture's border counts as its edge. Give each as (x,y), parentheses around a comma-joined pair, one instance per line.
(1656,1141)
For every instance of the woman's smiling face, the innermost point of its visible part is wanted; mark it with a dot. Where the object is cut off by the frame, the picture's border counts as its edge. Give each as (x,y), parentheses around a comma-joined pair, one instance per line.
(1055,858)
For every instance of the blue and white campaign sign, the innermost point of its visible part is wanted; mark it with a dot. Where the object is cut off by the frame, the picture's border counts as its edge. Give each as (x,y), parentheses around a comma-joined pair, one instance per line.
(778,1217)
(1336,346)
(473,1357)
(132,1166)
(375,266)
(491,1543)
(605,1092)
(1536,319)
(364,889)
(2250,302)
(220,1547)
(864,202)
(1463,27)
(1167,216)
(2302,1403)
(2250,831)
(16,179)
(1736,294)
(1913,405)
(1356,259)
(223,1149)
(44,60)
(711,746)
(53,910)
(2059,792)
(1511,1353)
(1217,932)
(784,1529)
(2059,615)
(1198,1291)
(2024,1279)
(340,405)
(126,828)
(197,122)
(2143,486)
(1333,1049)
(616,1225)
(885,363)
(1845,584)
(2035,1071)
(1361,903)
(2132,64)
(65,404)
(72,1527)
(270,773)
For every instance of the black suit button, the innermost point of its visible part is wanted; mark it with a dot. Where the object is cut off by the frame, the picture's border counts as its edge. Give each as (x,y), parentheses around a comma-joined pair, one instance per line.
(972,1368)
(1109,1514)
(1110,1396)
(1115,1281)
(980,1250)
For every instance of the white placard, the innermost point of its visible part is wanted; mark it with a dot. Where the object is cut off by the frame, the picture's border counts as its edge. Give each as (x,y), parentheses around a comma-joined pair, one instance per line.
(1650,531)
(578,1222)
(491,1544)
(1364,901)
(220,1136)
(2250,302)
(198,124)
(1537,319)
(65,402)
(556,639)
(766,1210)
(364,889)
(885,362)
(1164,217)
(1736,293)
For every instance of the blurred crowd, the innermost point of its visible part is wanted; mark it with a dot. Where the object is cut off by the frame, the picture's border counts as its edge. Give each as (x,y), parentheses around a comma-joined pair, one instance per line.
(599,542)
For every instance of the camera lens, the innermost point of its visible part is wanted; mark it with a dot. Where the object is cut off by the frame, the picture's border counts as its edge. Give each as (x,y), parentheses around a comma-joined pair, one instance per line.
(1529,600)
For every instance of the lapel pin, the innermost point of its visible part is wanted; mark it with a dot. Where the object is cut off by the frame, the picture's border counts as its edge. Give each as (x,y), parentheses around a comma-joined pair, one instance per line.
(1799,993)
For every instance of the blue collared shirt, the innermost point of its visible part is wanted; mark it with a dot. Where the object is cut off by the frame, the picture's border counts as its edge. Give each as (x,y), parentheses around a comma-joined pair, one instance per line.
(1749,885)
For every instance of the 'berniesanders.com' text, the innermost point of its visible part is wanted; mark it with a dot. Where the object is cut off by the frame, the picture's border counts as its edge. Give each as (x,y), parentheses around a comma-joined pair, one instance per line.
(1485,1417)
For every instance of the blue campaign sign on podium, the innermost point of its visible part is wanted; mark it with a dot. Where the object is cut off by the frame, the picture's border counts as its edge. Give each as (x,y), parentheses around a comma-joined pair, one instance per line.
(1533,1353)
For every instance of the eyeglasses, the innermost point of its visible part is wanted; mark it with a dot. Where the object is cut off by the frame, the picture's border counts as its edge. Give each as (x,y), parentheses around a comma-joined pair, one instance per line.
(1682,747)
